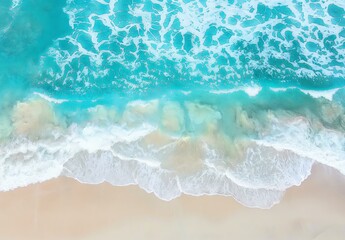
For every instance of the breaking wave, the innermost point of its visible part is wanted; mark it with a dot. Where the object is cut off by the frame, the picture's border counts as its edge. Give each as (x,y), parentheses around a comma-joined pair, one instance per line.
(217,97)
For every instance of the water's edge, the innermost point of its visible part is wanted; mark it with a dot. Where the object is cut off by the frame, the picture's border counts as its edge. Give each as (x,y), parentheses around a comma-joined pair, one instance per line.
(251,144)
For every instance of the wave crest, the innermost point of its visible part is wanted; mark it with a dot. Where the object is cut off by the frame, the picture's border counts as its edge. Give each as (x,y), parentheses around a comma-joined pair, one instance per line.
(247,147)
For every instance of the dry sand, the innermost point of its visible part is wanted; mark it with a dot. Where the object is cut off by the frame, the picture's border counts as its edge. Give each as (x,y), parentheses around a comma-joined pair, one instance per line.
(65,209)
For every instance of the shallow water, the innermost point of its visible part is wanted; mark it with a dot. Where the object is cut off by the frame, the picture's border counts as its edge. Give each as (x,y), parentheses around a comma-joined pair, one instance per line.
(235,98)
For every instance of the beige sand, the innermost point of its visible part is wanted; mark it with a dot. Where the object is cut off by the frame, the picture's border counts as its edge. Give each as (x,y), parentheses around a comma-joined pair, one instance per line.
(65,209)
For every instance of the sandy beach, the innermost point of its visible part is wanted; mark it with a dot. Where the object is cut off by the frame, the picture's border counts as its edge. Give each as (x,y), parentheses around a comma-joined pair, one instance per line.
(65,209)
(240,100)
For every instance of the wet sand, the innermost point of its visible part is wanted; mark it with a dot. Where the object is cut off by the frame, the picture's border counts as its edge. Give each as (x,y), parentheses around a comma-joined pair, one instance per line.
(65,209)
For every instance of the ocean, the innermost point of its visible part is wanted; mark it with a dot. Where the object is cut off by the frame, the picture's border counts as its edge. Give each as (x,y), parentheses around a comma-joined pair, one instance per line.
(200,97)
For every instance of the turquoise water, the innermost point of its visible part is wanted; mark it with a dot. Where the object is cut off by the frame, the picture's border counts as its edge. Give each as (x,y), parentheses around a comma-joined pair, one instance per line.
(237,98)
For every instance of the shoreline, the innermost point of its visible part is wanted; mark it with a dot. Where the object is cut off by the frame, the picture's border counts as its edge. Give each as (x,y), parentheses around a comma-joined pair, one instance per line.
(63,208)
(229,139)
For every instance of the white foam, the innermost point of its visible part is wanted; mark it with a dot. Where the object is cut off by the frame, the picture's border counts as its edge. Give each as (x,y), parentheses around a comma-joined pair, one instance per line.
(275,89)
(325,145)
(15,4)
(255,169)
(196,18)
(252,91)
(328,94)
(50,99)
(164,184)
(121,157)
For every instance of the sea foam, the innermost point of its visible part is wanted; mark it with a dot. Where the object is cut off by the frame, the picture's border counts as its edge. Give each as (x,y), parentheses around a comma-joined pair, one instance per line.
(217,97)
(220,145)
(138,45)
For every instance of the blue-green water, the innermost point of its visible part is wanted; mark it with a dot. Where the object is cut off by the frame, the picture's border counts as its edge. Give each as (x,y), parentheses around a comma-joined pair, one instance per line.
(237,98)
